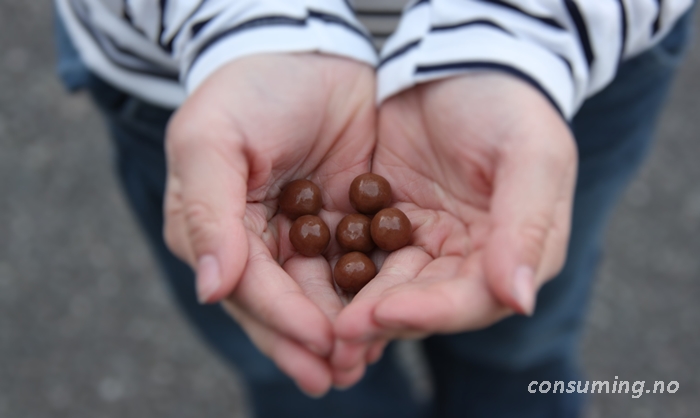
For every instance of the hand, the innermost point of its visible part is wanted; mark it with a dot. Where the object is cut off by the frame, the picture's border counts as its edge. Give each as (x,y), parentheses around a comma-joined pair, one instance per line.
(250,128)
(485,169)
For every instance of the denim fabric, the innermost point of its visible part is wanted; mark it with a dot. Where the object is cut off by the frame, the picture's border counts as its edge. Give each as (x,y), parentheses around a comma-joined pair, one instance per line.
(478,374)
(70,68)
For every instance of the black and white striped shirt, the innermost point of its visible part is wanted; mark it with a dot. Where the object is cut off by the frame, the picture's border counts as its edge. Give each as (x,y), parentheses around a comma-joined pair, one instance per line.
(160,50)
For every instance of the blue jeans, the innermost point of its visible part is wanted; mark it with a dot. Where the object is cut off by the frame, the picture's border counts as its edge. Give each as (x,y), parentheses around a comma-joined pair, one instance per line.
(476,374)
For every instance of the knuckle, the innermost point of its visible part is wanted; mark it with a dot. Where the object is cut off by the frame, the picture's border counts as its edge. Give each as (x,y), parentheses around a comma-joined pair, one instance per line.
(202,225)
(172,225)
(174,242)
(534,234)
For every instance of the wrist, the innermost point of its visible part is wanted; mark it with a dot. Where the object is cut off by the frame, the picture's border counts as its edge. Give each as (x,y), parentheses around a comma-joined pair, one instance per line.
(311,35)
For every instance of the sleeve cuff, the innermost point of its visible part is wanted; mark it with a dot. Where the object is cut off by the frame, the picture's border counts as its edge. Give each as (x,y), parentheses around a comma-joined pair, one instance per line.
(318,32)
(478,47)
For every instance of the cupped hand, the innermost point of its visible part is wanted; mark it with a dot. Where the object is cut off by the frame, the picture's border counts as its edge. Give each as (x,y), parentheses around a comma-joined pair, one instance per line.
(484,167)
(250,128)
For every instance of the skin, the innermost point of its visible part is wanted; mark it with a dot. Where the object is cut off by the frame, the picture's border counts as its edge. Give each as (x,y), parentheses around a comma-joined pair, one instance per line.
(481,164)
(484,167)
(250,128)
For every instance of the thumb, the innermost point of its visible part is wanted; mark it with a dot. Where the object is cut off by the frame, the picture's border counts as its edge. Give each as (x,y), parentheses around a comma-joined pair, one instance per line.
(531,216)
(204,209)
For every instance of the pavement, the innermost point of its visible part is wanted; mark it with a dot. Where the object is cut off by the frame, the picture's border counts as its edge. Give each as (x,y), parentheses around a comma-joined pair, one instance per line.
(88,330)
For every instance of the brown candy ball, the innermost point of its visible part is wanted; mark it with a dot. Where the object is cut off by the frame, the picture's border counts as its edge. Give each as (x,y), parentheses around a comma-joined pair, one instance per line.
(353,233)
(309,235)
(369,193)
(300,197)
(353,271)
(391,229)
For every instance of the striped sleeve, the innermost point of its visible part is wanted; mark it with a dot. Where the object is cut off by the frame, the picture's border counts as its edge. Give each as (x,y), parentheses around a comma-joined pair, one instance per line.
(223,30)
(568,49)
(161,50)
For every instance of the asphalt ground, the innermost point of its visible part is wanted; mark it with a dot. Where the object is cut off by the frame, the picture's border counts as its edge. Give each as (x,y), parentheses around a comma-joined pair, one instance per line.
(88,330)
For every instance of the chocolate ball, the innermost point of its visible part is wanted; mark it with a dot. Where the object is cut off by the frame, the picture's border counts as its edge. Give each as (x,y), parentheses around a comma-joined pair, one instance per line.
(309,235)
(391,229)
(370,193)
(353,233)
(300,197)
(353,271)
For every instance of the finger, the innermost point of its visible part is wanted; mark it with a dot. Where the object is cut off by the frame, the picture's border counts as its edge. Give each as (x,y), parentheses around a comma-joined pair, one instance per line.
(375,351)
(348,355)
(309,371)
(313,275)
(449,296)
(208,173)
(356,321)
(533,194)
(273,298)
(344,379)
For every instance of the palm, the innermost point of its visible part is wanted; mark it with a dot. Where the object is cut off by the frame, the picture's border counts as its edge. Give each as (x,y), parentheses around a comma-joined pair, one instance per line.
(327,141)
(442,148)
(448,206)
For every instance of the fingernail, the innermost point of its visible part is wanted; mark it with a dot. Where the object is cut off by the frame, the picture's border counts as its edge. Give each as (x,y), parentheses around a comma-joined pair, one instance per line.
(524,290)
(208,278)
